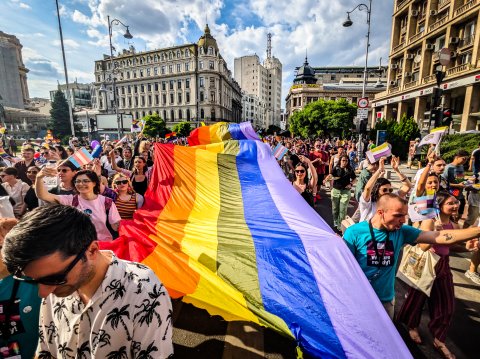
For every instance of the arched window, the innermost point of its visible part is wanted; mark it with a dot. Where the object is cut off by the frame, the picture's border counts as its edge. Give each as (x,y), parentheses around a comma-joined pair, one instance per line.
(187,53)
(202,114)
(165,115)
(178,54)
(210,50)
(212,114)
(188,114)
(180,115)
(172,115)
(170,55)
(163,56)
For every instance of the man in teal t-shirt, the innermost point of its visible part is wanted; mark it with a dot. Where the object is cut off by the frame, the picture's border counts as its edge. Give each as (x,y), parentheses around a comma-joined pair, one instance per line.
(376,244)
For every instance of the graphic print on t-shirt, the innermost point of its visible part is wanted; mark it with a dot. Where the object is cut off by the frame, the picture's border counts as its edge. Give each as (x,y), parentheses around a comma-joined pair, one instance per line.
(385,255)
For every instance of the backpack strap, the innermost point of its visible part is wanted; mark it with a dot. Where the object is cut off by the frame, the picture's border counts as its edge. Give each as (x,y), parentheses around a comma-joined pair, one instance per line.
(75,200)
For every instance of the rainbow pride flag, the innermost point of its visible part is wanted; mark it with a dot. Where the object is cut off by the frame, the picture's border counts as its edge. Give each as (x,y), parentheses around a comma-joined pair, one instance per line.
(222,131)
(223,228)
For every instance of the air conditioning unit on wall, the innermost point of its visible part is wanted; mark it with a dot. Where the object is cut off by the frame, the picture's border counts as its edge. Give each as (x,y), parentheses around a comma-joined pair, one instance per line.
(454,40)
(433,12)
(430,47)
(414,13)
(393,83)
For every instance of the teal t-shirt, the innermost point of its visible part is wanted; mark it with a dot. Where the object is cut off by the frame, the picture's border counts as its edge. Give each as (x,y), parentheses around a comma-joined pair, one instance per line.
(379,265)
(29,308)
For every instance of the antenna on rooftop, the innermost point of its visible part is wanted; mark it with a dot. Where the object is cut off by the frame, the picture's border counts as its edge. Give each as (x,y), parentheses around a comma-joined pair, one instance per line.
(269,45)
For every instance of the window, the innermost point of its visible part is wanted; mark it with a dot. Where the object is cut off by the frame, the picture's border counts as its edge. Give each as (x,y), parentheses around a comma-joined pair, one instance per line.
(179,84)
(149,87)
(156,86)
(211,65)
(179,67)
(134,74)
(142,88)
(148,72)
(164,85)
(178,54)
(128,74)
(210,50)
(136,101)
(180,115)
(212,82)
(212,96)
(171,99)
(202,82)
(135,89)
(170,69)
(129,89)
(171,84)
(155,71)
(142,100)
(172,115)
(179,98)
(164,99)
(163,70)
(141,73)
(212,114)
(201,96)
(187,83)
(157,99)
(202,114)
(164,114)
(187,66)
(188,114)
(187,97)
(170,55)
(200,65)
(149,100)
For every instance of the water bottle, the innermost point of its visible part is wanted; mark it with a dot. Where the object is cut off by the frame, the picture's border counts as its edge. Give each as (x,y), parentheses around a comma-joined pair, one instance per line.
(51,182)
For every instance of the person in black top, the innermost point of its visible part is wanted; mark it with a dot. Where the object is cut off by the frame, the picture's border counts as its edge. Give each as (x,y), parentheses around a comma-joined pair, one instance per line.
(305,186)
(31,199)
(343,176)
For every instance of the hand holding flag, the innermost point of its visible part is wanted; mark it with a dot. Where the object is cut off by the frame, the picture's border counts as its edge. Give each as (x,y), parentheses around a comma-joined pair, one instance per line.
(384,150)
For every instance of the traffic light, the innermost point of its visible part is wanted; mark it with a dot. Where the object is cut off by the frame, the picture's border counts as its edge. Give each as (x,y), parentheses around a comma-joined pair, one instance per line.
(447,117)
(436,115)
(93,124)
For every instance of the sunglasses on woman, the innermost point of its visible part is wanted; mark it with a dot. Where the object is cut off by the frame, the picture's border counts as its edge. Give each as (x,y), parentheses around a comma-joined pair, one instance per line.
(119,182)
(53,279)
(299,171)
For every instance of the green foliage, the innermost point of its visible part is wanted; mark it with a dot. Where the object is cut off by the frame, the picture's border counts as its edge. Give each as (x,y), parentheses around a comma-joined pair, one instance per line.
(182,129)
(399,134)
(272,129)
(154,126)
(452,143)
(60,121)
(319,118)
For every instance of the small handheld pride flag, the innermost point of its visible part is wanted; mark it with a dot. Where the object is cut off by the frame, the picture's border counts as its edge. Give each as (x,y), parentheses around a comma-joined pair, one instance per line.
(81,157)
(279,151)
(384,150)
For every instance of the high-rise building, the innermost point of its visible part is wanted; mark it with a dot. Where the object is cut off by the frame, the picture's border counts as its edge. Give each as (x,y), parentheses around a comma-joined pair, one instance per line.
(263,81)
(189,82)
(13,73)
(420,30)
(79,94)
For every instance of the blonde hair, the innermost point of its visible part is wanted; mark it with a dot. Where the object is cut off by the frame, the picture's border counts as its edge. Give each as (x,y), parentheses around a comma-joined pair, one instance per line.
(130,189)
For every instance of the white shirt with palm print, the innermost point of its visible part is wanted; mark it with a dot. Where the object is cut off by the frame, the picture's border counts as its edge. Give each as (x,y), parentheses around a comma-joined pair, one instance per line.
(129,316)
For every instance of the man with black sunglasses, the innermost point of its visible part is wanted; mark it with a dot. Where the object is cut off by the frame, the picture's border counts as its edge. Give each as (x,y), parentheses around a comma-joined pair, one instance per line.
(94,303)
(66,170)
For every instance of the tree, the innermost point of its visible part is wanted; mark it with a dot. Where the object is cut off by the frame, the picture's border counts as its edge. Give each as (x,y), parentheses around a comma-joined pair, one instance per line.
(154,126)
(272,129)
(319,118)
(60,121)
(182,129)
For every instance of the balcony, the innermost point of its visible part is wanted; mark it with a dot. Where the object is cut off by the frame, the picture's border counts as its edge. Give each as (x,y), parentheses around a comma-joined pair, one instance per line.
(401,3)
(466,41)
(438,23)
(410,84)
(415,37)
(458,69)
(442,4)
(393,89)
(428,79)
(398,47)
(464,8)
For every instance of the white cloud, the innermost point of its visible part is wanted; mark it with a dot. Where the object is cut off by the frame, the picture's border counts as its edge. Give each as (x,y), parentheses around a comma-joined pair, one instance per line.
(68,43)
(25,6)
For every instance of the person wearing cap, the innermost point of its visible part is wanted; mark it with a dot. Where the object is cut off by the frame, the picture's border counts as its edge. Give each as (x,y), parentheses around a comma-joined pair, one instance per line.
(66,170)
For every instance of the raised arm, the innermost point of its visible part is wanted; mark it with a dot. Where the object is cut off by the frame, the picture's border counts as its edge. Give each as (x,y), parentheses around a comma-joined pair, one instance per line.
(367,190)
(423,177)
(41,190)
(406,184)
(449,236)
(313,171)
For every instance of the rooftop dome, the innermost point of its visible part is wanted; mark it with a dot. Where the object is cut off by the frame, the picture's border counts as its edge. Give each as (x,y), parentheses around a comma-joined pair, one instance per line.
(207,40)
(305,74)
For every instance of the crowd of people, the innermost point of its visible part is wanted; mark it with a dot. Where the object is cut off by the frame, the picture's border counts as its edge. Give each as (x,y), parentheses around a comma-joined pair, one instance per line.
(52,249)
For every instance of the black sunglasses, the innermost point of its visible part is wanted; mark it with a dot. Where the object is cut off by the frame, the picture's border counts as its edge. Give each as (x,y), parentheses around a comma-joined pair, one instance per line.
(299,171)
(54,279)
(121,182)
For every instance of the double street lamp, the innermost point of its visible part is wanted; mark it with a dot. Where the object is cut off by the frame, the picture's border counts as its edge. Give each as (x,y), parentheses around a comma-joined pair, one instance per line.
(112,77)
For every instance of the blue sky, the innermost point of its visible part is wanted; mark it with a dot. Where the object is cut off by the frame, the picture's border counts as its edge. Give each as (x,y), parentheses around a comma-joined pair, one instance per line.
(240,28)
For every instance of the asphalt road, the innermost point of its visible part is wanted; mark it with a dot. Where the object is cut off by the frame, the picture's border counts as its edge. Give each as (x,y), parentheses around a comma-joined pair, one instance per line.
(199,335)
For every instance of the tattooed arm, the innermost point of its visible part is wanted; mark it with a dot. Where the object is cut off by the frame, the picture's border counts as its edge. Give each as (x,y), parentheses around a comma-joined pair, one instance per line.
(448,236)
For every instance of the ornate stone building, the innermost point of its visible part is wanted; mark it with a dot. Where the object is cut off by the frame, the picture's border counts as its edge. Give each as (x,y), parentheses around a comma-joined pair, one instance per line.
(189,82)
(332,83)
(420,29)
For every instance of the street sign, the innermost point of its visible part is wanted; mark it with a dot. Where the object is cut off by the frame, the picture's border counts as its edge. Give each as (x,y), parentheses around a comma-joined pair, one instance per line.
(444,56)
(362,102)
(362,112)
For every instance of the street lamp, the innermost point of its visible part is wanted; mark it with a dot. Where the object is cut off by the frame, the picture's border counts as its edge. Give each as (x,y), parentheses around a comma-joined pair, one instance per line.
(349,22)
(128,36)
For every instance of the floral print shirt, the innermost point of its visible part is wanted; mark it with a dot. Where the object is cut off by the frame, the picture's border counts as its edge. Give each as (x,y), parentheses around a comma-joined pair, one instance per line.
(129,316)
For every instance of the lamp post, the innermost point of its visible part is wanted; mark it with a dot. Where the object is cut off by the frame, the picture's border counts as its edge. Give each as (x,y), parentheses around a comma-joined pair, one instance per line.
(127,35)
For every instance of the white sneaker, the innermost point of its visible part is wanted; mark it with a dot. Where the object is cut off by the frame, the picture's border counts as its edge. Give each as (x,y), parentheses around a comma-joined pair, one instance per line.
(473,276)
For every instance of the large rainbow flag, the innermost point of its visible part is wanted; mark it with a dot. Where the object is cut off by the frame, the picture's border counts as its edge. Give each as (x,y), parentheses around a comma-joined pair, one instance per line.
(224,229)
(222,131)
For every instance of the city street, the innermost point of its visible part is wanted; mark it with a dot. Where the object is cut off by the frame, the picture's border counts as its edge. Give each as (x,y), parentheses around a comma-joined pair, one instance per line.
(197,335)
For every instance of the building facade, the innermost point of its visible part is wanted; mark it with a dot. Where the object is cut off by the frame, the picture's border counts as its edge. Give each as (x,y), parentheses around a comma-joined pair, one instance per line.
(183,83)
(254,110)
(79,94)
(332,83)
(13,73)
(420,29)
(265,83)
